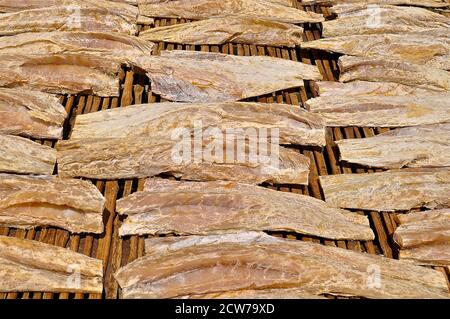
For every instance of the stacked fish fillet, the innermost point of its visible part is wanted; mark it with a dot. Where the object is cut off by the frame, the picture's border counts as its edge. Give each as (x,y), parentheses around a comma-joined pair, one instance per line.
(394,74)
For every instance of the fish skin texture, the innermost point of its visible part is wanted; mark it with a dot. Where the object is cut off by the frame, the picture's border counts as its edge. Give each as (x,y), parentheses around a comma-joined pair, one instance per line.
(31,201)
(31,113)
(61,73)
(275,263)
(295,125)
(217,31)
(143,156)
(418,3)
(186,208)
(28,265)
(424,237)
(423,49)
(392,19)
(203,9)
(393,190)
(382,110)
(66,18)
(384,70)
(195,76)
(21,155)
(419,146)
(121,47)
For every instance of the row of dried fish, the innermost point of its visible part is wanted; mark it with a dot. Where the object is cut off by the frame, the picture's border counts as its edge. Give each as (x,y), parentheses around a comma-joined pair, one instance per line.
(418,3)
(252,264)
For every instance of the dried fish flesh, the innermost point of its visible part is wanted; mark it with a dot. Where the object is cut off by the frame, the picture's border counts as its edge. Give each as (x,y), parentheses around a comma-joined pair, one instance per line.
(276,263)
(289,3)
(203,9)
(423,49)
(419,146)
(28,265)
(282,293)
(187,76)
(228,29)
(389,191)
(144,156)
(385,70)
(31,113)
(418,3)
(61,73)
(221,207)
(31,201)
(20,155)
(293,124)
(383,110)
(433,254)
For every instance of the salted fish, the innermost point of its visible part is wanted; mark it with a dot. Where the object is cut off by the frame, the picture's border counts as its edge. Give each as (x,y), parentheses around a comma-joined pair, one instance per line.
(28,265)
(418,3)
(196,208)
(429,255)
(289,3)
(195,76)
(67,18)
(203,9)
(281,293)
(61,73)
(217,31)
(375,110)
(21,155)
(121,47)
(293,124)
(369,19)
(208,159)
(32,201)
(423,49)
(419,146)
(379,69)
(31,113)
(393,190)
(277,263)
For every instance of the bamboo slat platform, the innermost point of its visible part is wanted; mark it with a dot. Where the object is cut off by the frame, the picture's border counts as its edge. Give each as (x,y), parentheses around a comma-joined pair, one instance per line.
(136,89)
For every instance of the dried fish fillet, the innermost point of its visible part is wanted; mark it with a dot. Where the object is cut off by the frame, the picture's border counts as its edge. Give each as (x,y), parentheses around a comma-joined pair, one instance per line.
(431,255)
(277,263)
(28,265)
(229,29)
(282,293)
(20,155)
(389,191)
(293,124)
(365,19)
(289,3)
(123,48)
(31,201)
(195,76)
(384,70)
(203,9)
(418,3)
(144,156)
(423,49)
(31,113)
(67,18)
(61,73)
(420,146)
(383,110)
(222,207)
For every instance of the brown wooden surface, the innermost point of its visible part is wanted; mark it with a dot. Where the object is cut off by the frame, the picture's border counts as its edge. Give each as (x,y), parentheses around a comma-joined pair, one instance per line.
(117,252)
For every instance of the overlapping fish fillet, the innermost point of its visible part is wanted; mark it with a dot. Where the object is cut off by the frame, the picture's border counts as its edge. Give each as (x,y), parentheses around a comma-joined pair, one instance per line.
(389,191)
(28,265)
(289,3)
(221,207)
(293,124)
(193,76)
(275,263)
(418,3)
(32,201)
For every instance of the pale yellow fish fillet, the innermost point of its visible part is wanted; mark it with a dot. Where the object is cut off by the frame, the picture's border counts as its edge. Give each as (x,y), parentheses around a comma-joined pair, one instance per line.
(203,9)
(217,31)
(389,191)
(28,265)
(195,76)
(32,201)
(277,263)
(293,124)
(204,208)
(21,155)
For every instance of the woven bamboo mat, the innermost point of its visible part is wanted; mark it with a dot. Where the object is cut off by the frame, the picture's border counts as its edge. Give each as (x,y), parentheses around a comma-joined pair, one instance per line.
(136,89)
